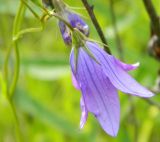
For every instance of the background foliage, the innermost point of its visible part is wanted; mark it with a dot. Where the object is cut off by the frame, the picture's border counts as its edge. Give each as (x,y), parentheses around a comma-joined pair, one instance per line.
(47,103)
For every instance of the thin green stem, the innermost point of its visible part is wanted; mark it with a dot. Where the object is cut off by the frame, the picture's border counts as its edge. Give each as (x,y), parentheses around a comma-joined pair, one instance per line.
(27,5)
(5,68)
(25,31)
(16,71)
(16,28)
(10,90)
(17,125)
(18,18)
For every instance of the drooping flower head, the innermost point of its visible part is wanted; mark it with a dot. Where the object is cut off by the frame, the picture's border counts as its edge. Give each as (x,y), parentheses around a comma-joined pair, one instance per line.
(99,76)
(96,74)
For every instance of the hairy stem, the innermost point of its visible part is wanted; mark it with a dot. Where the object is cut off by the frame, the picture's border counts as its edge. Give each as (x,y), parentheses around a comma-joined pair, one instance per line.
(96,24)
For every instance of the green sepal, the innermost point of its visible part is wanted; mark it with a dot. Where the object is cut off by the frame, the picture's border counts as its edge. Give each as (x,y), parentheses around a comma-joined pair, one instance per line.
(79,41)
(76,52)
(90,53)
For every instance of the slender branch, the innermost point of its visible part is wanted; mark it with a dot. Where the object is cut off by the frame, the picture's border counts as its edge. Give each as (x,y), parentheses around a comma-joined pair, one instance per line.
(153,16)
(155,25)
(16,71)
(115,28)
(10,89)
(17,125)
(96,24)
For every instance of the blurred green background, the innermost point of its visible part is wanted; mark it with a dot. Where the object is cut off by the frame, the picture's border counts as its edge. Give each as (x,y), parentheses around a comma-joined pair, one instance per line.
(46,101)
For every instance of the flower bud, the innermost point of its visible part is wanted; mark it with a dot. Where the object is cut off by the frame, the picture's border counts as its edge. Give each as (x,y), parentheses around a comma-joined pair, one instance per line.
(66,34)
(76,22)
(72,18)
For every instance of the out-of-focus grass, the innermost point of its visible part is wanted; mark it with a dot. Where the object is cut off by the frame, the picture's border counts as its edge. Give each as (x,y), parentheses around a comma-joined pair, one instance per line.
(48,105)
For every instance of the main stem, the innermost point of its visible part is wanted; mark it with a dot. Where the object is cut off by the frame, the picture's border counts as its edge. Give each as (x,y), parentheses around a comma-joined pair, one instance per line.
(96,24)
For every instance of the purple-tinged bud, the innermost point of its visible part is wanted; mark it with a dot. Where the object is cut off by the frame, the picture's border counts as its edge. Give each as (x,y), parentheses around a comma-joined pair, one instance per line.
(66,34)
(73,19)
(76,22)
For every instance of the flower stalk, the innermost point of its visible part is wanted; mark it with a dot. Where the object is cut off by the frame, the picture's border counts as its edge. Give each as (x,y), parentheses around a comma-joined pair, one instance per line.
(58,5)
(10,89)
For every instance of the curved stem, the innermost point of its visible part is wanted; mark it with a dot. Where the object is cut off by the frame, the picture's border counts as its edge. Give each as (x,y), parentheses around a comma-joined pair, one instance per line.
(27,5)
(16,71)
(10,91)
(5,68)
(16,28)
(17,126)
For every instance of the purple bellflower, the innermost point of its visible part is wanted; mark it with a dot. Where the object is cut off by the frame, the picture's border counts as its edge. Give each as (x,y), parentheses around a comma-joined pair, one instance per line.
(99,79)
(96,74)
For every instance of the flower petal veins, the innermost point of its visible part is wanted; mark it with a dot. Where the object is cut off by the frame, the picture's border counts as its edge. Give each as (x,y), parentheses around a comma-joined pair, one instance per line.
(99,83)
(116,74)
(100,96)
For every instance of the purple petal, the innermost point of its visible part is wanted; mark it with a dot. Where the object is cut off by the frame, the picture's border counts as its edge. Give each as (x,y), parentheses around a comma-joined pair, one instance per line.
(100,96)
(116,74)
(65,33)
(74,82)
(84,114)
(72,63)
(77,22)
(126,67)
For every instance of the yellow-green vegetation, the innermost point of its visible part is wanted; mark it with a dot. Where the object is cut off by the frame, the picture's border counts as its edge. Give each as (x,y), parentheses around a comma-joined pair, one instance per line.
(46,103)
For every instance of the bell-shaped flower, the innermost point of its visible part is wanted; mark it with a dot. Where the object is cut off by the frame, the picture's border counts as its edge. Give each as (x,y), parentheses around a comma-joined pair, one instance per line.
(99,76)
